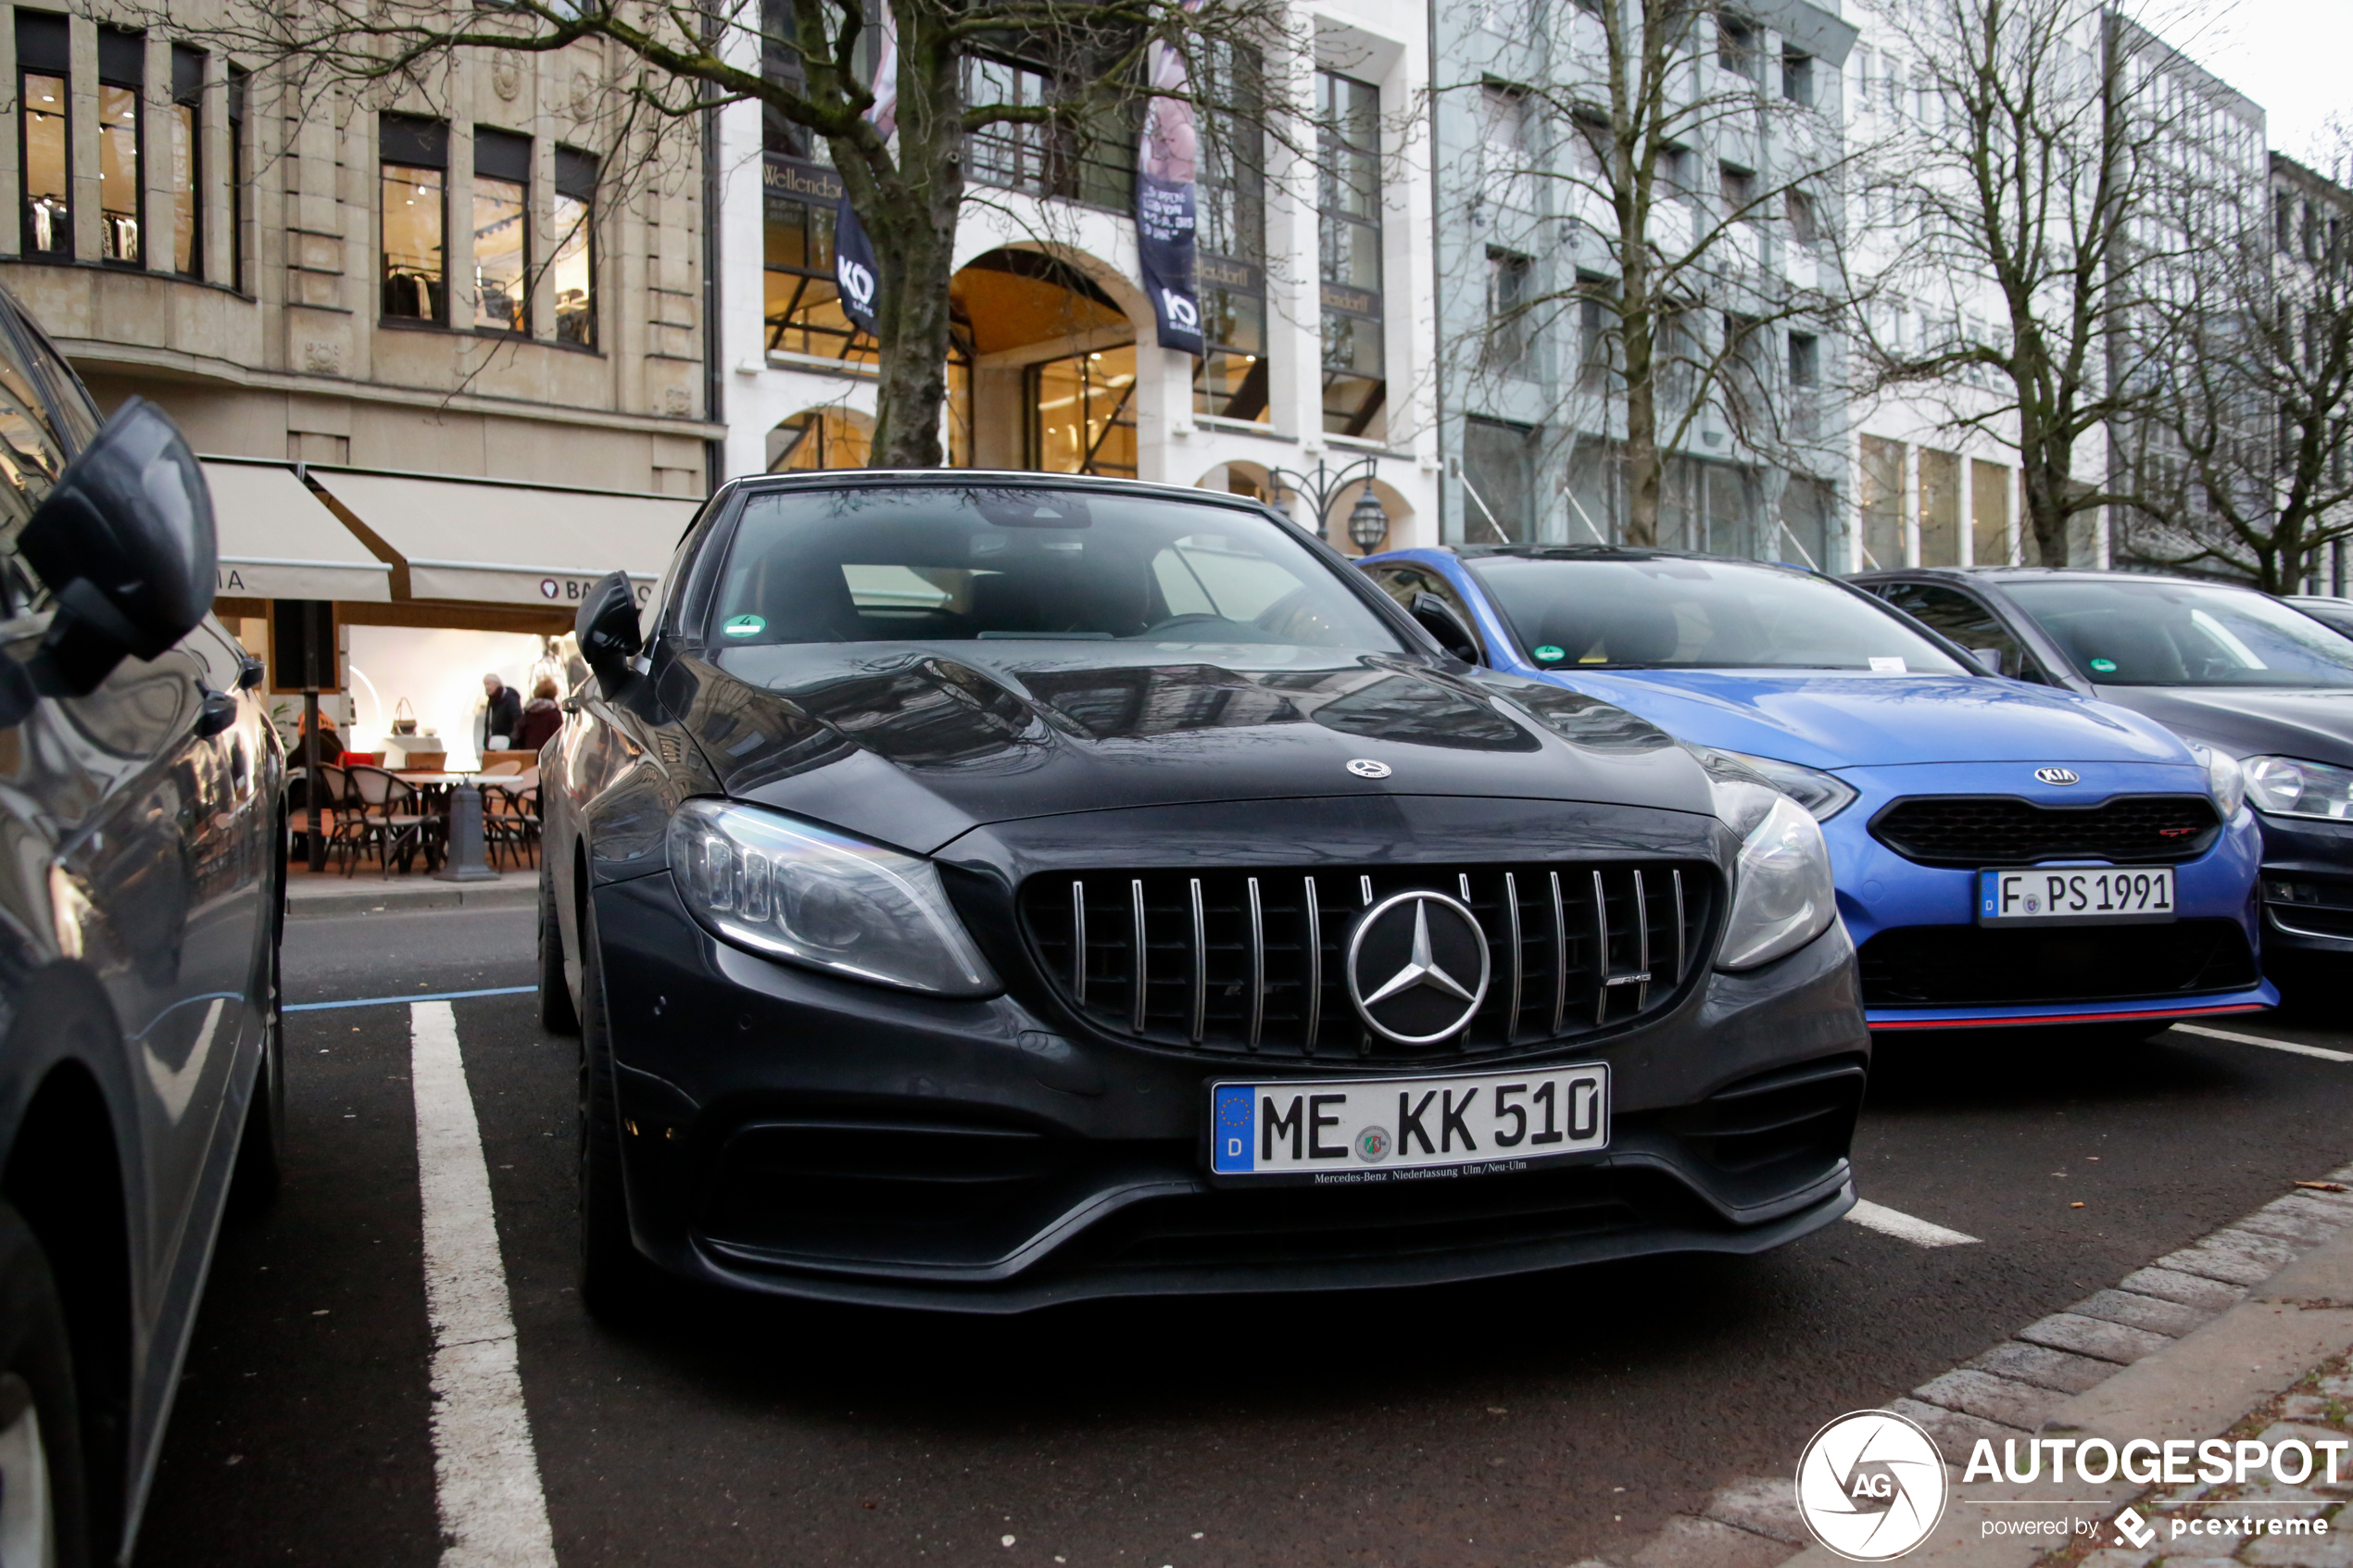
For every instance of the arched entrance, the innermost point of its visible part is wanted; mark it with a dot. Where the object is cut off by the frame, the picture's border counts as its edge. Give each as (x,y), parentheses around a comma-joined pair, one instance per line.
(820,438)
(1053,366)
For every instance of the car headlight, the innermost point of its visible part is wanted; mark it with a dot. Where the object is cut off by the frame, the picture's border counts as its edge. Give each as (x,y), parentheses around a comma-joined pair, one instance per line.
(1824,796)
(2226,776)
(794,890)
(1782,897)
(2288,786)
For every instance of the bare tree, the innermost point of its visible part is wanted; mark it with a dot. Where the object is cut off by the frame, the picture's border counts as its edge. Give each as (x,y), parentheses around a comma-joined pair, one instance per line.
(900,93)
(2244,457)
(1694,181)
(2026,149)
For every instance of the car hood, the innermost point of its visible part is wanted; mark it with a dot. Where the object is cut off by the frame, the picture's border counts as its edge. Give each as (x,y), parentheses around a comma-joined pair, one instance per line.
(2314,725)
(915,744)
(1834,721)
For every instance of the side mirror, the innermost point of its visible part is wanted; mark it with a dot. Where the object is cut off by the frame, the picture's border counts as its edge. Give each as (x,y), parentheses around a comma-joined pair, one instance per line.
(1990,657)
(1437,618)
(607,628)
(125,543)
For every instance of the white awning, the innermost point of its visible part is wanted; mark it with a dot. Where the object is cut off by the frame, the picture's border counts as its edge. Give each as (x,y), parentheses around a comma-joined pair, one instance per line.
(495,543)
(278,541)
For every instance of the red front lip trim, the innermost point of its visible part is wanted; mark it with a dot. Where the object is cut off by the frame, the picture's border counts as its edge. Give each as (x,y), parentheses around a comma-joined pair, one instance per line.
(2073,1018)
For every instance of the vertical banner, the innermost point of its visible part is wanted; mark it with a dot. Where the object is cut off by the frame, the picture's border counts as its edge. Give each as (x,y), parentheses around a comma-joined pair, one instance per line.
(1167,163)
(855,271)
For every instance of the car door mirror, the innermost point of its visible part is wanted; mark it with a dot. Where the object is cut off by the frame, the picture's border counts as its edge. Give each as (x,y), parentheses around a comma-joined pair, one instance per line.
(1437,618)
(607,629)
(1990,657)
(215,712)
(125,543)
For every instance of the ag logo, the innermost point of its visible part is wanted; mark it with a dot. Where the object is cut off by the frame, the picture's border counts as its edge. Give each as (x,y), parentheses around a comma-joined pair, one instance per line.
(856,282)
(2058,775)
(1871,1485)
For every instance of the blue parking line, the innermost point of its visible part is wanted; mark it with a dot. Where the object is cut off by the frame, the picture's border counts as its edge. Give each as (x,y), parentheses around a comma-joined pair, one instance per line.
(426,996)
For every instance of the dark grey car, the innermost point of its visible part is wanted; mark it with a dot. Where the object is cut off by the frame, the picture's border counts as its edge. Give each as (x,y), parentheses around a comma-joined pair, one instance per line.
(2229,667)
(140,897)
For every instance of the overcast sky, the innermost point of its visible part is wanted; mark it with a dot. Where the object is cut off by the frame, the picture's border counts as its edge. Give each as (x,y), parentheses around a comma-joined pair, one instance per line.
(2292,57)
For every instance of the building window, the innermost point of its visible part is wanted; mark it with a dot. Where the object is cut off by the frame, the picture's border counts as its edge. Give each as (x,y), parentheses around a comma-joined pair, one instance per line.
(1510,295)
(1797,78)
(415,155)
(1499,483)
(1736,47)
(573,268)
(1881,504)
(502,230)
(1355,357)
(44,139)
(1804,227)
(1083,413)
(802,309)
(1738,187)
(187,161)
(820,438)
(237,175)
(1229,380)
(1093,164)
(122,69)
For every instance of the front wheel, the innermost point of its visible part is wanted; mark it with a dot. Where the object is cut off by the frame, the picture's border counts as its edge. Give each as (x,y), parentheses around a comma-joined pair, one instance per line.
(44,1511)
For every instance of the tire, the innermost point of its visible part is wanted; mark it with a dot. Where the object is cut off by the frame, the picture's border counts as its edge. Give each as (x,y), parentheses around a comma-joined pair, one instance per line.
(616,1282)
(556,1015)
(42,1478)
(261,1149)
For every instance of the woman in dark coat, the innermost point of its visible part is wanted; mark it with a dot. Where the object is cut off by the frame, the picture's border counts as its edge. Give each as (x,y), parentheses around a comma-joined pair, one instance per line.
(541,718)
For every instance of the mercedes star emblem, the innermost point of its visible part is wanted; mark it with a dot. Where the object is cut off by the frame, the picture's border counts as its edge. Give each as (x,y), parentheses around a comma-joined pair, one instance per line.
(2058,775)
(1417,967)
(1365,768)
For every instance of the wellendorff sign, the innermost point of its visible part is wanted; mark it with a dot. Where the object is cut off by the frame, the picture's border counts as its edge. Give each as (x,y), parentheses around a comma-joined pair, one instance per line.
(799,180)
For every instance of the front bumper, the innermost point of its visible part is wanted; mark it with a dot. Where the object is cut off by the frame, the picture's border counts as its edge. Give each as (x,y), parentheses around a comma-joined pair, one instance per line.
(2308,886)
(789,1133)
(1881,892)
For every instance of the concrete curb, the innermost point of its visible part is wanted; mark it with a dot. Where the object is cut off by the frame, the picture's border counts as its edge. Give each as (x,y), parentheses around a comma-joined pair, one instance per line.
(2183,1348)
(308,900)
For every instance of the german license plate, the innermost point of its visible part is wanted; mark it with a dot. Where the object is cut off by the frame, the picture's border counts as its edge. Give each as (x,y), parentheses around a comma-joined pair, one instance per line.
(2142,896)
(1329,1132)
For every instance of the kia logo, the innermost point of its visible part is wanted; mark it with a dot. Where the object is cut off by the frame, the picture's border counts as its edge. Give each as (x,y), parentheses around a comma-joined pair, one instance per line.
(2058,775)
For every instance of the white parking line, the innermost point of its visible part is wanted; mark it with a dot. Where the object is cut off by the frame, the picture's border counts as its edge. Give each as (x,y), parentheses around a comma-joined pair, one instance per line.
(486,1473)
(2323,1052)
(1890,1222)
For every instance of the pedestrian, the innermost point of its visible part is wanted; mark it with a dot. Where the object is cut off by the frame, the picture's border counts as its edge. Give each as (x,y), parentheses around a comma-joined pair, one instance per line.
(541,718)
(501,713)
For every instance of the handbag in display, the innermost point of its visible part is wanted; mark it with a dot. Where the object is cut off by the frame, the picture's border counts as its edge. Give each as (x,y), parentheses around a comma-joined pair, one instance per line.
(403,719)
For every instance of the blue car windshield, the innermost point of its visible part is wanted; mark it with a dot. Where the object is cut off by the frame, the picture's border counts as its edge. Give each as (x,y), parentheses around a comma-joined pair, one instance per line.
(1669,613)
(2156,633)
(959,563)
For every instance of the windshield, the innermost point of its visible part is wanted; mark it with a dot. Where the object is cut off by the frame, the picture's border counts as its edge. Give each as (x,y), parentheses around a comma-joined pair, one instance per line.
(946,563)
(2123,633)
(1670,614)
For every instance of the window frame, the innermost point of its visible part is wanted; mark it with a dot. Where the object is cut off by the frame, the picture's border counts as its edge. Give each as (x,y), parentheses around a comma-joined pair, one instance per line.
(426,133)
(507,150)
(122,66)
(189,96)
(577,172)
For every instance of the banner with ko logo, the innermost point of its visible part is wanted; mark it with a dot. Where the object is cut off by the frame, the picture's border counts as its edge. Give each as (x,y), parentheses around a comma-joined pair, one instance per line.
(1165,166)
(855,273)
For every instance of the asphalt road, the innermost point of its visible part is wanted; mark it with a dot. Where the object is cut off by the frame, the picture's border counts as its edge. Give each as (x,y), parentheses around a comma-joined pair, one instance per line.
(1532,1423)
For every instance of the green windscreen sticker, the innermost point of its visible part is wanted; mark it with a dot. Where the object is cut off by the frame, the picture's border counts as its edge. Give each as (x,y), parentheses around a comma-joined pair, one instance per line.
(1550,654)
(745,626)
(2105,666)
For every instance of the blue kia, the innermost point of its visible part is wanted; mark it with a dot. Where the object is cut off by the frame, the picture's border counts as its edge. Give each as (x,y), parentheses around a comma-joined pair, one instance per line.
(2005,853)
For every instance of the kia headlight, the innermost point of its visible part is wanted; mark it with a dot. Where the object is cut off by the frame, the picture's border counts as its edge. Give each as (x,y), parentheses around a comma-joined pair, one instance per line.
(1824,796)
(2288,786)
(797,891)
(2226,776)
(1783,895)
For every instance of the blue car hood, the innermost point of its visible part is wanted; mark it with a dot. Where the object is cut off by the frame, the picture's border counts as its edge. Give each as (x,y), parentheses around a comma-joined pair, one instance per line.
(1834,721)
